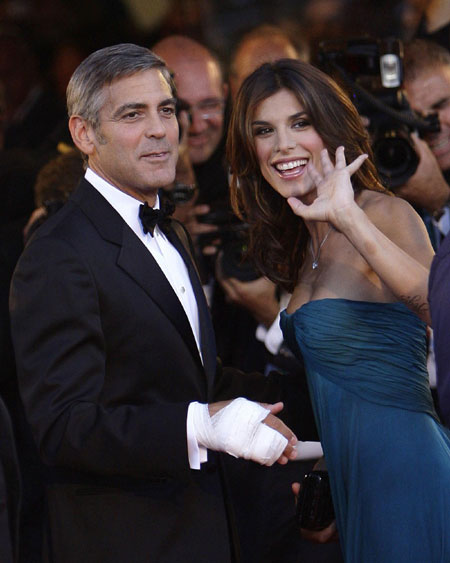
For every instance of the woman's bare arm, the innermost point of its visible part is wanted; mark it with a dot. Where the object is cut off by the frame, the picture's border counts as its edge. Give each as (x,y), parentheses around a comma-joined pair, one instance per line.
(388,235)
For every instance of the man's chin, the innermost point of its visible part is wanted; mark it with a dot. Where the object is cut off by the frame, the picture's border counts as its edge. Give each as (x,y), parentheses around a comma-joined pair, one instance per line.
(199,155)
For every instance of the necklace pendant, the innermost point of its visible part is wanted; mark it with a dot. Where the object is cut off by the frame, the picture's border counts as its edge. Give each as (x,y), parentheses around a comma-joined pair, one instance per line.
(315,258)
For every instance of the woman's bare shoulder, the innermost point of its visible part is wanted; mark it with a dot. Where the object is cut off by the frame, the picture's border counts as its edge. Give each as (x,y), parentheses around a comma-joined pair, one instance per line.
(384,208)
(399,221)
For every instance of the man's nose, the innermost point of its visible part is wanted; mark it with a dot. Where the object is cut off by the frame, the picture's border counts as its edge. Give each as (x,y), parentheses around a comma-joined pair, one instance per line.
(155,126)
(198,122)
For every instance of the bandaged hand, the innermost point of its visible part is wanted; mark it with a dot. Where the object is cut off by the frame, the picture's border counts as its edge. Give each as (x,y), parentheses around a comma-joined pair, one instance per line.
(239,430)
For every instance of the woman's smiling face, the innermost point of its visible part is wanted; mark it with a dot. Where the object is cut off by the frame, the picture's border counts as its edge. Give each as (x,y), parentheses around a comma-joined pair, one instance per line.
(285,141)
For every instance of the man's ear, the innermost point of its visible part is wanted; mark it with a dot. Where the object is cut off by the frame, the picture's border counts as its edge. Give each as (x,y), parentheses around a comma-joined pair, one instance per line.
(83,134)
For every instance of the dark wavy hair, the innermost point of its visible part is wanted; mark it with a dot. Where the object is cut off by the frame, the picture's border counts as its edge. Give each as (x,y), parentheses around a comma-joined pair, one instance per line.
(279,238)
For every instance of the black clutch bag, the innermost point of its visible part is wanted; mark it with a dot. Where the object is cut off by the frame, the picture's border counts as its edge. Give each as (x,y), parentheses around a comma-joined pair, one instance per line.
(315,509)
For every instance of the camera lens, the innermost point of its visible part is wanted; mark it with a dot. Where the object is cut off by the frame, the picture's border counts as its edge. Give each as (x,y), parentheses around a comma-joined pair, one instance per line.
(395,157)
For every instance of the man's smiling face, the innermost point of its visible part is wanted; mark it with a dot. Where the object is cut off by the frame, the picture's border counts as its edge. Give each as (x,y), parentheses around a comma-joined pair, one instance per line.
(429,92)
(136,143)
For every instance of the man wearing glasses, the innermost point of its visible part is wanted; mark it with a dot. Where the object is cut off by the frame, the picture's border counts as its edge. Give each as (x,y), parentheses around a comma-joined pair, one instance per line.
(200,85)
(202,92)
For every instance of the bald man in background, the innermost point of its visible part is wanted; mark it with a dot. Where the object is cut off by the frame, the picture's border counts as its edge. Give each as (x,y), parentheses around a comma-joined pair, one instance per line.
(262,44)
(201,87)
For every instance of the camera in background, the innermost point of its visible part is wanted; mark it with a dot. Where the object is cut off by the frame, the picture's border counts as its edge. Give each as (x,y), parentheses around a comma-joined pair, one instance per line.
(180,193)
(371,70)
(233,236)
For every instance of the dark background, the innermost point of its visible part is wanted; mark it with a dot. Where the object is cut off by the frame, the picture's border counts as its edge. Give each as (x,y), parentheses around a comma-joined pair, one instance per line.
(64,31)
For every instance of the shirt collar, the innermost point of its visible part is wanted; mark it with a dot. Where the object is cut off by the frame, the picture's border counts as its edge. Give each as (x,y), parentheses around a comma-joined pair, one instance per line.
(126,205)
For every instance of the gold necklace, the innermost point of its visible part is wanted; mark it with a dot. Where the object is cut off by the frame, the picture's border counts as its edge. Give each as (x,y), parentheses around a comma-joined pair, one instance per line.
(315,262)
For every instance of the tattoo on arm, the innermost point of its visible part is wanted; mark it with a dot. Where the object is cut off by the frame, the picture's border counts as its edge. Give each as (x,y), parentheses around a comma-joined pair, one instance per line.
(416,303)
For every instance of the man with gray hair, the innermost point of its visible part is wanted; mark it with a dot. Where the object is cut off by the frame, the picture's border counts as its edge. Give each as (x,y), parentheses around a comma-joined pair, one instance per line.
(114,346)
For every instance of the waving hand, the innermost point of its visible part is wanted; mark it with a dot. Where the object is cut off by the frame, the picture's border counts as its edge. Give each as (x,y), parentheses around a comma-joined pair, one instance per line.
(334,188)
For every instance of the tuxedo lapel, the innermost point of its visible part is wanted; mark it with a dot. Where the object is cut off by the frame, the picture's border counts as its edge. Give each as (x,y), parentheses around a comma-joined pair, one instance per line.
(136,260)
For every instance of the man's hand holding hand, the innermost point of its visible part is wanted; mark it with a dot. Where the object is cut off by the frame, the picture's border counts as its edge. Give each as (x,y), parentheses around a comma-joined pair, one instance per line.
(247,429)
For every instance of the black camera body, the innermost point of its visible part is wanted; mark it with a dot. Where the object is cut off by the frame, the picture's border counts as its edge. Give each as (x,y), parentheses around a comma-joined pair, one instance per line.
(231,232)
(180,193)
(371,70)
(233,236)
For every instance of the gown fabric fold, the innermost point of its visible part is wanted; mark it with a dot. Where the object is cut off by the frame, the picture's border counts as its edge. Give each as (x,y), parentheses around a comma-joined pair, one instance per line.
(387,455)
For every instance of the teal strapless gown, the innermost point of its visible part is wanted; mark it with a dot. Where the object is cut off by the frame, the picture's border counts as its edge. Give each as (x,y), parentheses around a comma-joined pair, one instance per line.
(388,457)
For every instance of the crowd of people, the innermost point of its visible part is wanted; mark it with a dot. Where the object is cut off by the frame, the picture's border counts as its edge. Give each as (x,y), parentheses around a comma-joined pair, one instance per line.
(205,288)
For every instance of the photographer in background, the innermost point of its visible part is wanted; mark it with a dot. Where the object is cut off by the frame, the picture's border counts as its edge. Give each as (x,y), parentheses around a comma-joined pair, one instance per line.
(202,94)
(403,95)
(427,83)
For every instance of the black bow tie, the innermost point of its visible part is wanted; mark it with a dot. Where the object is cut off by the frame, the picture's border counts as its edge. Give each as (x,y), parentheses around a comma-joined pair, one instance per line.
(151,217)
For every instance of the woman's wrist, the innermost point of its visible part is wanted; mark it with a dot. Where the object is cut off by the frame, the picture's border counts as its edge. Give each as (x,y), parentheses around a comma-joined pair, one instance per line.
(349,218)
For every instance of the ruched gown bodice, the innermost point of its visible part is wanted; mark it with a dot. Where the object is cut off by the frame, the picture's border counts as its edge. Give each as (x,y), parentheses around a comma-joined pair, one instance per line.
(387,455)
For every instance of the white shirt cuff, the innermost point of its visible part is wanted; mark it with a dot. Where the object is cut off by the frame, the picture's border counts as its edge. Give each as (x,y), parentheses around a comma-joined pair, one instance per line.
(197,454)
(271,337)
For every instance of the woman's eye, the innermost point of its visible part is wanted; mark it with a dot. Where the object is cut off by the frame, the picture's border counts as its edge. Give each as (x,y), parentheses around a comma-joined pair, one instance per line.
(262,131)
(301,124)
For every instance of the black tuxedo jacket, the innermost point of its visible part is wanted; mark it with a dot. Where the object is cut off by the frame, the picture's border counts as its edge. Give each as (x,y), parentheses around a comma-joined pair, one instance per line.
(107,365)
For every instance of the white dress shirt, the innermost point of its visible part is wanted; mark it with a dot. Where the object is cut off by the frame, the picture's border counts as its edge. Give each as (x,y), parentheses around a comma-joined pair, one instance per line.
(173,267)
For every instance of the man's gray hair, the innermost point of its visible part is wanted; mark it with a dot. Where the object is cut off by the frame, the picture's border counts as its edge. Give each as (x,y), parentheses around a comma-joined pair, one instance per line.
(85,91)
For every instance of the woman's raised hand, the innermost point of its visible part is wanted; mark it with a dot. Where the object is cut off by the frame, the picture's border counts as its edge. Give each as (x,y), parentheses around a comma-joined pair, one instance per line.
(334,189)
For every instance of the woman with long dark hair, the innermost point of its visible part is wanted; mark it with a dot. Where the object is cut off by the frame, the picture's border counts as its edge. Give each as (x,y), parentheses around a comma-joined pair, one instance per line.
(356,260)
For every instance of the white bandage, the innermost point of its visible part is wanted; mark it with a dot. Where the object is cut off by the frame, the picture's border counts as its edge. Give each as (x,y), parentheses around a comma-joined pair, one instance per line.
(238,429)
